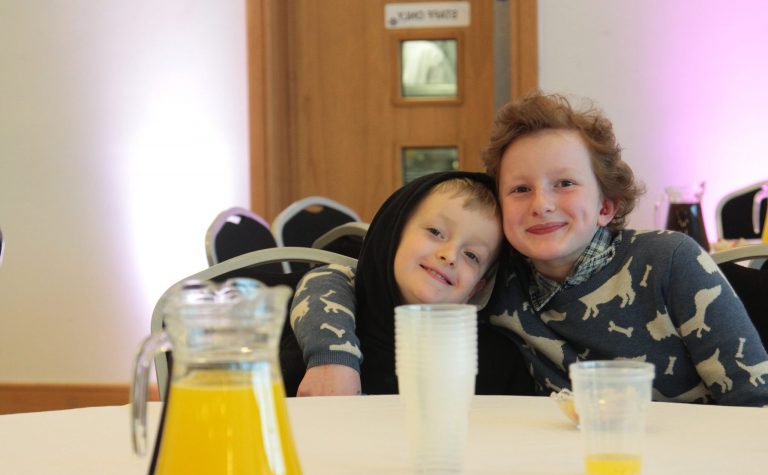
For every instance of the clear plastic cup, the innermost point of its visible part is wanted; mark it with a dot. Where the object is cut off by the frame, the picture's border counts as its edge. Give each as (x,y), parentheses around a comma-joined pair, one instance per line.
(612,399)
(436,365)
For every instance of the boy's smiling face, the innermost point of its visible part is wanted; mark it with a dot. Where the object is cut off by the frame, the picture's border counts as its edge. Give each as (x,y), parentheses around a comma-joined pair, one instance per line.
(445,250)
(550,199)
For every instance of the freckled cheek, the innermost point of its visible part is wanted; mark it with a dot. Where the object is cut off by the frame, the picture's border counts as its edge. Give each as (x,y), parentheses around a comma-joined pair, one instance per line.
(511,217)
(506,213)
(509,234)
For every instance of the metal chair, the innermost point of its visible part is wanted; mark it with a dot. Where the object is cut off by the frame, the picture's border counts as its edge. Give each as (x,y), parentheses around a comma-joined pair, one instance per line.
(749,252)
(750,282)
(734,213)
(302,222)
(237,231)
(255,265)
(346,239)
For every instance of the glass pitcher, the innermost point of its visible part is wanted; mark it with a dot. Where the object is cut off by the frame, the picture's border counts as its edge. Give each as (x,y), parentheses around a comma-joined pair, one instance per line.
(225,409)
(759,197)
(684,212)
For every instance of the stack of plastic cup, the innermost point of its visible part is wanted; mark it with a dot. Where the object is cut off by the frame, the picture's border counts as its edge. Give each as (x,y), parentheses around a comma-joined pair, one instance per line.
(612,399)
(436,365)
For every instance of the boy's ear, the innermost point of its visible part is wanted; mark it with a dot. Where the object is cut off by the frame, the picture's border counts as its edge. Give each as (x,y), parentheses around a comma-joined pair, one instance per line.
(607,212)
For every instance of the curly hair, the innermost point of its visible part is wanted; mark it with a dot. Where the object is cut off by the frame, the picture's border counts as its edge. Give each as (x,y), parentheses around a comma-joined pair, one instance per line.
(537,112)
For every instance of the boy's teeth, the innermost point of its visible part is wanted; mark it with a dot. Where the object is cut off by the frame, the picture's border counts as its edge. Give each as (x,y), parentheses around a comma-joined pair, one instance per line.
(438,275)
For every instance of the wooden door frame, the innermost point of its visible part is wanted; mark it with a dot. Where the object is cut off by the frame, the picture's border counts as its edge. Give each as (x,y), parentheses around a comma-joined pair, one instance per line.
(523,47)
(268,105)
(269,75)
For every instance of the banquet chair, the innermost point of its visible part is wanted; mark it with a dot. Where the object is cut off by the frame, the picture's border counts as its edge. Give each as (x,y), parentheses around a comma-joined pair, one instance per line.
(346,239)
(748,281)
(254,265)
(734,213)
(305,220)
(236,231)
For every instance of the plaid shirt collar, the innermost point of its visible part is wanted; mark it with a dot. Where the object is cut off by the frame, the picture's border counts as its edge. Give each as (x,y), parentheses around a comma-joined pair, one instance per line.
(597,255)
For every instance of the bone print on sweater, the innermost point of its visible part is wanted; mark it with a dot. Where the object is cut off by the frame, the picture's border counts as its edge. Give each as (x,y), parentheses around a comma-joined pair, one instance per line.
(661,299)
(323,317)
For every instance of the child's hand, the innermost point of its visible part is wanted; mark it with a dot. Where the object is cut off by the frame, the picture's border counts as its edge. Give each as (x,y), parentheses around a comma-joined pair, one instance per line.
(330,380)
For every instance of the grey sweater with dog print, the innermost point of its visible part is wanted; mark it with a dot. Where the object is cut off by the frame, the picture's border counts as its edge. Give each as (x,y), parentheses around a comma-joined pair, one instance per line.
(661,299)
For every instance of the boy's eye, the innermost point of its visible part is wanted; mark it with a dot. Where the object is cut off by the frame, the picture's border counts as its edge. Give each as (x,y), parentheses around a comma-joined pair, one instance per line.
(434,231)
(472,256)
(565,183)
(519,189)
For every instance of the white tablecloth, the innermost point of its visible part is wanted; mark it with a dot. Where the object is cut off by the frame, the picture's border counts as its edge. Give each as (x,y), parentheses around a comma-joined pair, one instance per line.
(365,435)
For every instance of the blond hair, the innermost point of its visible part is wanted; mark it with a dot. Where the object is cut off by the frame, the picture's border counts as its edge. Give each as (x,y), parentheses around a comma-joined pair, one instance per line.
(477,196)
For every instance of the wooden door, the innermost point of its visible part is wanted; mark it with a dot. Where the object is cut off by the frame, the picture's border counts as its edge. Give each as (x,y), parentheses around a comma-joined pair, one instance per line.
(328,116)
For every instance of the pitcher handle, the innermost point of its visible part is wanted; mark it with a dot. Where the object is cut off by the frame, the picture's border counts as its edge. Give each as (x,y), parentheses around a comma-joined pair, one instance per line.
(759,197)
(151,346)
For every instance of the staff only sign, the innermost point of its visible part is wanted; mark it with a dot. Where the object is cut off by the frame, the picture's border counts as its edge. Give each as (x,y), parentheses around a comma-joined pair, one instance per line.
(426,15)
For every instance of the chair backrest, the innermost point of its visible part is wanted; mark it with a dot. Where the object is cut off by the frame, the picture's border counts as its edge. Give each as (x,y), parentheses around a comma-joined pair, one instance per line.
(237,231)
(750,282)
(305,220)
(255,265)
(734,213)
(346,239)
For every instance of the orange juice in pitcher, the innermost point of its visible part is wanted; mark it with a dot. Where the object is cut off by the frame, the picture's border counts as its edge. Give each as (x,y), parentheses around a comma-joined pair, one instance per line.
(225,411)
(220,421)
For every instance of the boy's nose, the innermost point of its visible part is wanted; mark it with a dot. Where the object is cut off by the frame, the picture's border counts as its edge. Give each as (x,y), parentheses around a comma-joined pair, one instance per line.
(447,259)
(543,203)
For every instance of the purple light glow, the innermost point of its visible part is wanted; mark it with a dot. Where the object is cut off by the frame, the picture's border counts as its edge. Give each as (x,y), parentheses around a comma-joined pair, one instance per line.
(712,76)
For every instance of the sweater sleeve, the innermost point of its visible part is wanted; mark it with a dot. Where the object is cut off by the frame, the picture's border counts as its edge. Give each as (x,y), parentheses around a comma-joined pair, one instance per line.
(323,317)
(713,323)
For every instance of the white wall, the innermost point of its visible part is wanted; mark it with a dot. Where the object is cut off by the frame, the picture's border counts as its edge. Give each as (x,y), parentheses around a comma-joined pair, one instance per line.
(123,131)
(684,82)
